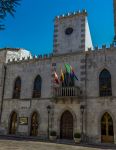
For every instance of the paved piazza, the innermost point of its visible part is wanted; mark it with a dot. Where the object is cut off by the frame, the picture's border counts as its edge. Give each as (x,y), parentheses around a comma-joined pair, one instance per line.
(29,145)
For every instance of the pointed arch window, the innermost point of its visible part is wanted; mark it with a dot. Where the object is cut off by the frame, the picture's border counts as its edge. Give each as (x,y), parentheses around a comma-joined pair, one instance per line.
(17,88)
(37,87)
(105,88)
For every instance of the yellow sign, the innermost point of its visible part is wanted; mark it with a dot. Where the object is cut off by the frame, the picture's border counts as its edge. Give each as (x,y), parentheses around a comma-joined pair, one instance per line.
(23,120)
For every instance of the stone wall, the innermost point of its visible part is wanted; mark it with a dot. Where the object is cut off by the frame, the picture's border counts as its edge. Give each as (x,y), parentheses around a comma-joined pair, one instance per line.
(87,67)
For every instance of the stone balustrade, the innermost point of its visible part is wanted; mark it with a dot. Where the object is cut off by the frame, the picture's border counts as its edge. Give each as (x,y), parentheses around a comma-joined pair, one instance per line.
(67,92)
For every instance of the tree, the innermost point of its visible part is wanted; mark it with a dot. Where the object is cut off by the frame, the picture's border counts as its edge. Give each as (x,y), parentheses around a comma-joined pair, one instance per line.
(7,7)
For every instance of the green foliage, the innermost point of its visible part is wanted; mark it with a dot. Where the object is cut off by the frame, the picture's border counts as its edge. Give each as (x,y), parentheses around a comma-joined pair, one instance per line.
(7,7)
(77,135)
(53,133)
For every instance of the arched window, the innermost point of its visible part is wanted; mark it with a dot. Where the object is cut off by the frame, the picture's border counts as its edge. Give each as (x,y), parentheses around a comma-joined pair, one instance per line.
(37,87)
(105,83)
(17,88)
(68,80)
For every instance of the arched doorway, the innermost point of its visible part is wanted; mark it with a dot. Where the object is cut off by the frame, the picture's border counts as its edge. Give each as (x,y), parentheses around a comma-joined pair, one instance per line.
(13,123)
(66,126)
(107,132)
(34,124)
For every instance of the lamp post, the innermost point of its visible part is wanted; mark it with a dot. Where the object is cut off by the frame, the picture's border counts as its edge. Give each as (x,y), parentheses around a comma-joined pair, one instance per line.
(82,107)
(48,109)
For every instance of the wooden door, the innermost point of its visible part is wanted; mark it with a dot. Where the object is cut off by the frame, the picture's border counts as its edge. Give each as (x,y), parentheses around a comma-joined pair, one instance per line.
(107,133)
(34,124)
(13,123)
(66,125)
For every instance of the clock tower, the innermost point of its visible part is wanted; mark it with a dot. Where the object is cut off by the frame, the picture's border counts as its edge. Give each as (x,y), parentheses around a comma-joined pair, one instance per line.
(71,33)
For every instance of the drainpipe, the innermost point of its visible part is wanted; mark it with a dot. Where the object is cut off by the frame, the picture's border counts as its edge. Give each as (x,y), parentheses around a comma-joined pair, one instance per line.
(1,108)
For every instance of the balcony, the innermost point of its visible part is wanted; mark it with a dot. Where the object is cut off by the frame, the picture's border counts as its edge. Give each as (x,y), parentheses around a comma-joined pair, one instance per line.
(67,92)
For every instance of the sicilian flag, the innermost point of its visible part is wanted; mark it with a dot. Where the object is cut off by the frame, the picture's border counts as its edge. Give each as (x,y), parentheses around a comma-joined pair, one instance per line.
(72,74)
(56,78)
(62,76)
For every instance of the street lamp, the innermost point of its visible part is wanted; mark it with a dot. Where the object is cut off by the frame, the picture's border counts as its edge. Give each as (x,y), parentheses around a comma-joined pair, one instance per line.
(82,107)
(48,109)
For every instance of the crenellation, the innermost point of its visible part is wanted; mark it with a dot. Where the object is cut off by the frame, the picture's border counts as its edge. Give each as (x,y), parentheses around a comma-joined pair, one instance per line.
(96,48)
(9,60)
(78,13)
(39,56)
(35,57)
(45,56)
(13,59)
(28,58)
(23,58)
(51,55)
(63,15)
(84,11)
(89,49)
(112,45)
(104,46)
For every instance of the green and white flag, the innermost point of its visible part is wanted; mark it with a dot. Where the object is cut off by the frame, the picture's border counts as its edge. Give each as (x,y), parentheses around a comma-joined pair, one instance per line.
(68,68)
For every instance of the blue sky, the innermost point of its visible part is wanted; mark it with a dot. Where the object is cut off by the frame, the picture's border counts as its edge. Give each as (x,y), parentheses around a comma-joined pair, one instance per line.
(32,27)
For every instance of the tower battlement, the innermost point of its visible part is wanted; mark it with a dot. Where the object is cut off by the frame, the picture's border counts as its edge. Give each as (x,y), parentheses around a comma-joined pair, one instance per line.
(71,33)
(72,14)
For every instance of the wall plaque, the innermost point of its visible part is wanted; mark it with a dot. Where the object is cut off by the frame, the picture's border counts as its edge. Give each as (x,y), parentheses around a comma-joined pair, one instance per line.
(23,120)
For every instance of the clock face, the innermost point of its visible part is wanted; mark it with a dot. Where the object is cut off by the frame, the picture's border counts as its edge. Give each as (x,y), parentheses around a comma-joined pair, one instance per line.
(69,31)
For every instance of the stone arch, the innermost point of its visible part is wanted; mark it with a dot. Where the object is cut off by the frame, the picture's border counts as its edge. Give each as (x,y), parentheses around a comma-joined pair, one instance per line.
(99,126)
(34,121)
(102,68)
(66,125)
(13,122)
(74,119)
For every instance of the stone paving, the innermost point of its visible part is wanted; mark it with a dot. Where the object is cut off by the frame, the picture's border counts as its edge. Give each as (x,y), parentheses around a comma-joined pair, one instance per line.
(32,145)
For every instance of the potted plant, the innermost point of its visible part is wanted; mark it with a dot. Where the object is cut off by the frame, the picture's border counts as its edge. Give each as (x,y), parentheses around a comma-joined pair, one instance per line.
(53,135)
(77,137)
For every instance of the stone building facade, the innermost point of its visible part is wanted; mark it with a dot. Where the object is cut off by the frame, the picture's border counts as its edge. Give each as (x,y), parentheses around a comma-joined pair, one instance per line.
(32,104)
